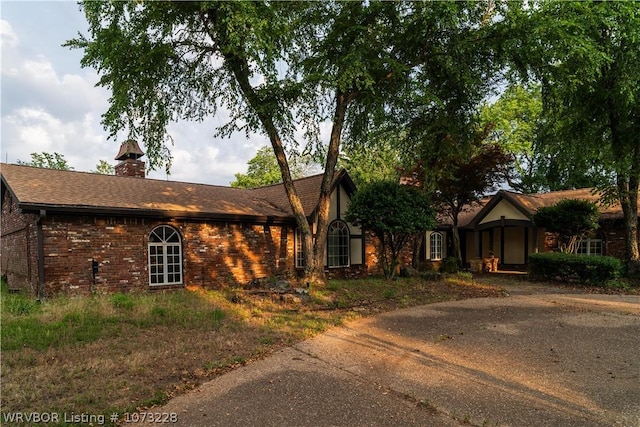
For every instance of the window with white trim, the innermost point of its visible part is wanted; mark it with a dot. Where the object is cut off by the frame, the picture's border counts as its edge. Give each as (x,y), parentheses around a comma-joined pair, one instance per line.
(299,252)
(435,246)
(165,256)
(338,244)
(589,246)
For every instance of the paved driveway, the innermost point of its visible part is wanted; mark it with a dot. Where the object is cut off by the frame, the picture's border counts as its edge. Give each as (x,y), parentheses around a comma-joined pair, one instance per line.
(540,357)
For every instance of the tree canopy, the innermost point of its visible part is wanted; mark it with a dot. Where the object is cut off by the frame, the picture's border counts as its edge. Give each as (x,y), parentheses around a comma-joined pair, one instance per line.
(279,68)
(585,56)
(47,161)
(309,75)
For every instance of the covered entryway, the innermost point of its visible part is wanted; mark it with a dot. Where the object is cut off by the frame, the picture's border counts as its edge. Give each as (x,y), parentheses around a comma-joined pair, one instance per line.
(504,231)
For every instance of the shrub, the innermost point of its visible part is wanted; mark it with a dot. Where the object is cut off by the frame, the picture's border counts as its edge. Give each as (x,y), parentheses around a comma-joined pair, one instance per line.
(596,270)
(450,265)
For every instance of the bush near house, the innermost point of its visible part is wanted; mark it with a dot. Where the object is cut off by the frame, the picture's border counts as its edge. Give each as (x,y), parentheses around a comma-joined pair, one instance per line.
(596,270)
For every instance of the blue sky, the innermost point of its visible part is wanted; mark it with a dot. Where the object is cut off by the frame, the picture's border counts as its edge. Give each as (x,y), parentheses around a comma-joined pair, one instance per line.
(49,103)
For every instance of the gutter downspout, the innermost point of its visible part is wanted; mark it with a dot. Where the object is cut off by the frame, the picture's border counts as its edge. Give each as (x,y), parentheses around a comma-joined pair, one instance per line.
(40,244)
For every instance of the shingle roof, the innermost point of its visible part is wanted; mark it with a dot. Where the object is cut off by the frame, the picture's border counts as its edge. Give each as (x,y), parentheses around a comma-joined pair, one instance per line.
(37,188)
(532,202)
(529,204)
(308,190)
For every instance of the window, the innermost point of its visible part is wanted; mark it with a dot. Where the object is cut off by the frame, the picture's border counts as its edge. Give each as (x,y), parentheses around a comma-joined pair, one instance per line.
(590,246)
(165,256)
(299,252)
(338,244)
(435,246)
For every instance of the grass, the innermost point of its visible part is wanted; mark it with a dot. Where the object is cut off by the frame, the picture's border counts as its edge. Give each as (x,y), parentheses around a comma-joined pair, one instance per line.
(118,353)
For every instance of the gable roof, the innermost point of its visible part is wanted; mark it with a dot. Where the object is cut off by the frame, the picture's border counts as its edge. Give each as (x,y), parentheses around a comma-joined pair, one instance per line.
(528,204)
(83,192)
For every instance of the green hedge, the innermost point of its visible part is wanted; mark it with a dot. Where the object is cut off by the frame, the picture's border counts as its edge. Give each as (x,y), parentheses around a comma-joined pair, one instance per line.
(595,270)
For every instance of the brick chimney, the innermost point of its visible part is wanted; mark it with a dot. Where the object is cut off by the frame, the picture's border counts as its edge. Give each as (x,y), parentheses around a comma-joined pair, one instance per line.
(130,163)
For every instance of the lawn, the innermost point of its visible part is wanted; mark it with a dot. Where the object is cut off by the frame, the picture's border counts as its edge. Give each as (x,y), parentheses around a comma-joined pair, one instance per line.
(119,353)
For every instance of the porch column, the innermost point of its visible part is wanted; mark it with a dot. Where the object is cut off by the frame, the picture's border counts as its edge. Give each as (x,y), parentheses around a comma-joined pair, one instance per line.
(526,245)
(478,241)
(502,218)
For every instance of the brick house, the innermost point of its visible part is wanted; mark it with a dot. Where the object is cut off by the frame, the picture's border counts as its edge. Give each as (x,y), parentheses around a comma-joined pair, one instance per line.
(77,232)
(502,225)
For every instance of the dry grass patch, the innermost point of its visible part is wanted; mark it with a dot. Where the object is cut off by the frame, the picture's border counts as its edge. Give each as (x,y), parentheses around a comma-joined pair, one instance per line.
(117,353)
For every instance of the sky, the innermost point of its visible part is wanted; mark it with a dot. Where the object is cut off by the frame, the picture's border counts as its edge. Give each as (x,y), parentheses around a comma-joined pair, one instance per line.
(50,103)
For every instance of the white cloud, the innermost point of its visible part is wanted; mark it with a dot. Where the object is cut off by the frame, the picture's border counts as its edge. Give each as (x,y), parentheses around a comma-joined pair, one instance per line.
(7,36)
(50,104)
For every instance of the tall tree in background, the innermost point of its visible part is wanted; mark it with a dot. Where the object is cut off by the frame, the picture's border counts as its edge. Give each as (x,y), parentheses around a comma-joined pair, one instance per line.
(47,161)
(263,169)
(105,168)
(586,56)
(515,121)
(377,161)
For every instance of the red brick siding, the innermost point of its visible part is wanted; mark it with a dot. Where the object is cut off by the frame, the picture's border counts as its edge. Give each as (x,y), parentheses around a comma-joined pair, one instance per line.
(613,236)
(214,254)
(372,254)
(228,254)
(18,252)
(130,167)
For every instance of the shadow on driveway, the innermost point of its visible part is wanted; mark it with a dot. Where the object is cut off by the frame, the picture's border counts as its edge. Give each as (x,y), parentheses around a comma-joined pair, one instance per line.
(532,359)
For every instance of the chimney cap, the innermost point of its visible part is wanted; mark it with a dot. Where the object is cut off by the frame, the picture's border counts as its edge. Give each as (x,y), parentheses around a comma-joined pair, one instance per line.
(129,150)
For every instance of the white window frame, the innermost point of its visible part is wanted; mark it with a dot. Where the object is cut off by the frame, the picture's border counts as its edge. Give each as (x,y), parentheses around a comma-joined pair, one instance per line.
(436,246)
(165,256)
(338,245)
(590,247)
(299,252)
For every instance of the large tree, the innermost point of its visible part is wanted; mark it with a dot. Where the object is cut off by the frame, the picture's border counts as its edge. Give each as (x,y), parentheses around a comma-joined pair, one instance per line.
(462,180)
(586,56)
(275,66)
(514,119)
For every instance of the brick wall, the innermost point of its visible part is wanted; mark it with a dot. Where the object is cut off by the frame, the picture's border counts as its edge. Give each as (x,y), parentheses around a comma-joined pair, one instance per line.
(214,254)
(372,253)
(613,236)
(229,254)
(18,248)
(611,232)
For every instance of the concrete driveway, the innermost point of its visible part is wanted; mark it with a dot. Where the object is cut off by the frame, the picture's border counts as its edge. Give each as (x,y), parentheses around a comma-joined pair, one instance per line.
(540,357)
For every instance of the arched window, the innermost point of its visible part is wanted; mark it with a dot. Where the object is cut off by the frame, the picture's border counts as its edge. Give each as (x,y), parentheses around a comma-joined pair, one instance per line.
(165,256)
(435,246)
(338,244)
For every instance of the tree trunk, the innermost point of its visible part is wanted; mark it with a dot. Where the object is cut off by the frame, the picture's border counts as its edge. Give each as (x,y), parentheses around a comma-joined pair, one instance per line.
(457,251)
(628,194)
(314,249)
(628,185)
(314,270)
